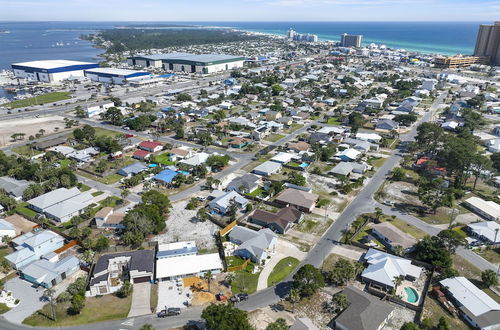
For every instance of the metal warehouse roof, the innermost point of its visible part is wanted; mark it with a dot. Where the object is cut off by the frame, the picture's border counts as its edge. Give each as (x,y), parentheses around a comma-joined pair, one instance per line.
(117,72)
(204,58)
(51,64)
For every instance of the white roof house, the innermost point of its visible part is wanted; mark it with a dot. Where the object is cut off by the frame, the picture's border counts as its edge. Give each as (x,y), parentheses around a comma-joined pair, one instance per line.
(489,230)
(7,229)
(349,154)
(283,157)
(267,168)
(488,209)
(222,203)
(481,310)
(44,201)
(383,268)
(372,137)
(197,159)
(187,265)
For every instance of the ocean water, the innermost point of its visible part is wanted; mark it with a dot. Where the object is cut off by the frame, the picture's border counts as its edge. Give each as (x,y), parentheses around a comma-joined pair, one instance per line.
(27,41)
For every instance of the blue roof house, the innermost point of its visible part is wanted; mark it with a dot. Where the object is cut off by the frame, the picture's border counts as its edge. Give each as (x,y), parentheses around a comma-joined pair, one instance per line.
(132,169)
(48,273)
(166,176)
(32,246)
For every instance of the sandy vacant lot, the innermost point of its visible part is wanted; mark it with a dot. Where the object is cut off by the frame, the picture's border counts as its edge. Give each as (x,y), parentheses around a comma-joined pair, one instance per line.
(28,126)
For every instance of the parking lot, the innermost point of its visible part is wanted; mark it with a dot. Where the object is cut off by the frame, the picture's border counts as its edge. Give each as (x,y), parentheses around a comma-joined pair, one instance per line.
(170,294)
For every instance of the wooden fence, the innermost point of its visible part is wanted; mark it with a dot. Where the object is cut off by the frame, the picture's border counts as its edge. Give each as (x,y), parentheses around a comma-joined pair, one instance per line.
(66,246)
(240,267)
(223,232)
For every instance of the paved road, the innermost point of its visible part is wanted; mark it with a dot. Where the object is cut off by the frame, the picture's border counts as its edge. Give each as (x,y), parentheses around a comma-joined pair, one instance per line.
(361,204)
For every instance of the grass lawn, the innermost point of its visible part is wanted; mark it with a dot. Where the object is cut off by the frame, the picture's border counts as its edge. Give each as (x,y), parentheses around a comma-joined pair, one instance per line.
(42,99)
(26,151)
(105,308)
(83,187)
(164,159)
(492,255)
(97,193)
(110,179)
(259,192)
(65,163)
(4,308)
(110,201)
(377,161)
(99,131)
(307,226)
(234,261)
(281,270)
(333,121)
(274,137)
(244,281)
(407,228)
(465,268)
(23,210)
(293,128)
(330,262)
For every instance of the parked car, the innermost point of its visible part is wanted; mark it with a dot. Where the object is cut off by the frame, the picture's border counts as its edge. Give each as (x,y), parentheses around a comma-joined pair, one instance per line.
(388,203)
(169,312)
(239,297)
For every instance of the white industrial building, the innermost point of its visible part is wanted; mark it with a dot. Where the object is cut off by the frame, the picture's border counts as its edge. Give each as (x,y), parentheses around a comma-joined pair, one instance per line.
(51,70)
(185,62)
(115,76)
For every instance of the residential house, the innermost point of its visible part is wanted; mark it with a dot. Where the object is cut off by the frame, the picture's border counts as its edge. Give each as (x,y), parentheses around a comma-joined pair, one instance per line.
(260,133)
(384,268)
(222,203)
(387,125)
(47,273)
(180,153)
(132,169)
(321,138)
(43,145)
(238,142)
(360,145)
(346,168)
(487,209)
(6,229)
(299,146)
(392,236)
(14,188)
(254,245)
(486,231)
(476,307)
(181,259)
(241,121)
(62,204)
(32,246)
(365,312)
(84,155)
(283,157)
(63,150)
(129,143)
(278,222)
(141,154)
(106,218)
(302,200)
(244,184)
(349,155)
(198,159)
(370,137)
(166,177)
(150,146)
(267,168)
(112,270)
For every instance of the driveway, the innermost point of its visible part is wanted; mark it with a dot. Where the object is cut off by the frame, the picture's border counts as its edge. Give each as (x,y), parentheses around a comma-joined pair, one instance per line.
(172,295)
(140,300)
(30,299)
(347,252)
(283,249)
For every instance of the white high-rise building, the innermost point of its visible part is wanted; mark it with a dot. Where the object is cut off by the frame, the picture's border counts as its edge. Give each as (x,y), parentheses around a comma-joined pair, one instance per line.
(291,34)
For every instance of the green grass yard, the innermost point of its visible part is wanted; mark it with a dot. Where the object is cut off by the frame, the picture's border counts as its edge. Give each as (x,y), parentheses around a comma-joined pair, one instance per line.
(23,210)
(282,269)
(244,281)
(333,121)
(164,159)
(26,151)
(97,309)
(42,99)
(274,137)
(99,131)
(293,128)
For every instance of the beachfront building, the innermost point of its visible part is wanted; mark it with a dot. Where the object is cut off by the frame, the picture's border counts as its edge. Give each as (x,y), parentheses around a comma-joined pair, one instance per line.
(115,76)
(51,70)
(351,40)
(185,62)
(488,43)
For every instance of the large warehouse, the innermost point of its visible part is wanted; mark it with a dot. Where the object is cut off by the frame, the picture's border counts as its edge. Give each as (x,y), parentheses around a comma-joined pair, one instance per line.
(184,62)
(115,76)
(51,70)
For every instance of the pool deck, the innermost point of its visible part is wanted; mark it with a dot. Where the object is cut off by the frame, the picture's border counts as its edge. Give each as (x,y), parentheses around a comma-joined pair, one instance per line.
(400,291)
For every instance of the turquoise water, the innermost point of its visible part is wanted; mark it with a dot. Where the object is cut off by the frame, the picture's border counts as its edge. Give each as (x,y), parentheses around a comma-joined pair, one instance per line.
(304,165)
(412,295)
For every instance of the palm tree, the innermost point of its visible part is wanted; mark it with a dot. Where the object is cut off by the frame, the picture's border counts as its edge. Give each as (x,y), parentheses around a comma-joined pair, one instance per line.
(125,193)
(208,277)
(201,215)
(339,302)
(294,297)
(398,250)
(216,183)
(49,294)
(209,182)
(397,281)
(41,131)
(378,213)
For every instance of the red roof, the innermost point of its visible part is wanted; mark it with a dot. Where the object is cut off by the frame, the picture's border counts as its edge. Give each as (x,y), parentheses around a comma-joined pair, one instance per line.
(141,153)
(149,144)
(422,160)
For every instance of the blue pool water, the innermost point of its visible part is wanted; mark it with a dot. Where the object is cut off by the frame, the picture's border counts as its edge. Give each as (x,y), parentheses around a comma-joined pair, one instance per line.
(412,295)
(153,165)
(304,165)
(183,172)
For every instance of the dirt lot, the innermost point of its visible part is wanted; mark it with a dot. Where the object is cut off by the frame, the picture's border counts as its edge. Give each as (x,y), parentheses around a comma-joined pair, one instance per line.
(21,224)
(324,186)
(401,192)
(29,126)
(182,225)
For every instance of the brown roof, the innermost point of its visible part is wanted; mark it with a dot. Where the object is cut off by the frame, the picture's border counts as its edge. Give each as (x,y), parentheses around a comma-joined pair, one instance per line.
(179,152)
(238,140)
(282,218)
(300,146)
(297,197)
(395,235)
(115,218)
(104,212)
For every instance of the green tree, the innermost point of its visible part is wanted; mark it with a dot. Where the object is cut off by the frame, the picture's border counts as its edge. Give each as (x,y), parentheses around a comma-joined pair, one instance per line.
(429,137)
(183,97)
(125,290)
(225,317)
(495,159)
(342,272)
(49,294)
(489,278)
(434,194)
(451,240)
(296,178)
(77,304)
(410,326)
(339,302)
(308,280)
(443,324)
(398,174)
(279,324)
(154,197)
(431,249)
(101,243)
(356,121)
(294,297)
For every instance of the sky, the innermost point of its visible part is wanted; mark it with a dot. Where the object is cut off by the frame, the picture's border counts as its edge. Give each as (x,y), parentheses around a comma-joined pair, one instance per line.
(250,10)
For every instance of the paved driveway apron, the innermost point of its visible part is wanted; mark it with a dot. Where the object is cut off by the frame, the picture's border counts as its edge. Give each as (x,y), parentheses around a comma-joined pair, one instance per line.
(140,300)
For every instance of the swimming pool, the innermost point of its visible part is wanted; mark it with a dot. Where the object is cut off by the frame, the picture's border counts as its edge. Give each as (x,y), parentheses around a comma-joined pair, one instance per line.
(411,295)
(304,165)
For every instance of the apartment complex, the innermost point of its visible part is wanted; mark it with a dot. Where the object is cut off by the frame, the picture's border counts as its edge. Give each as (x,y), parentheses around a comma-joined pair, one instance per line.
(454,62)
(488,43)
(351,40)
